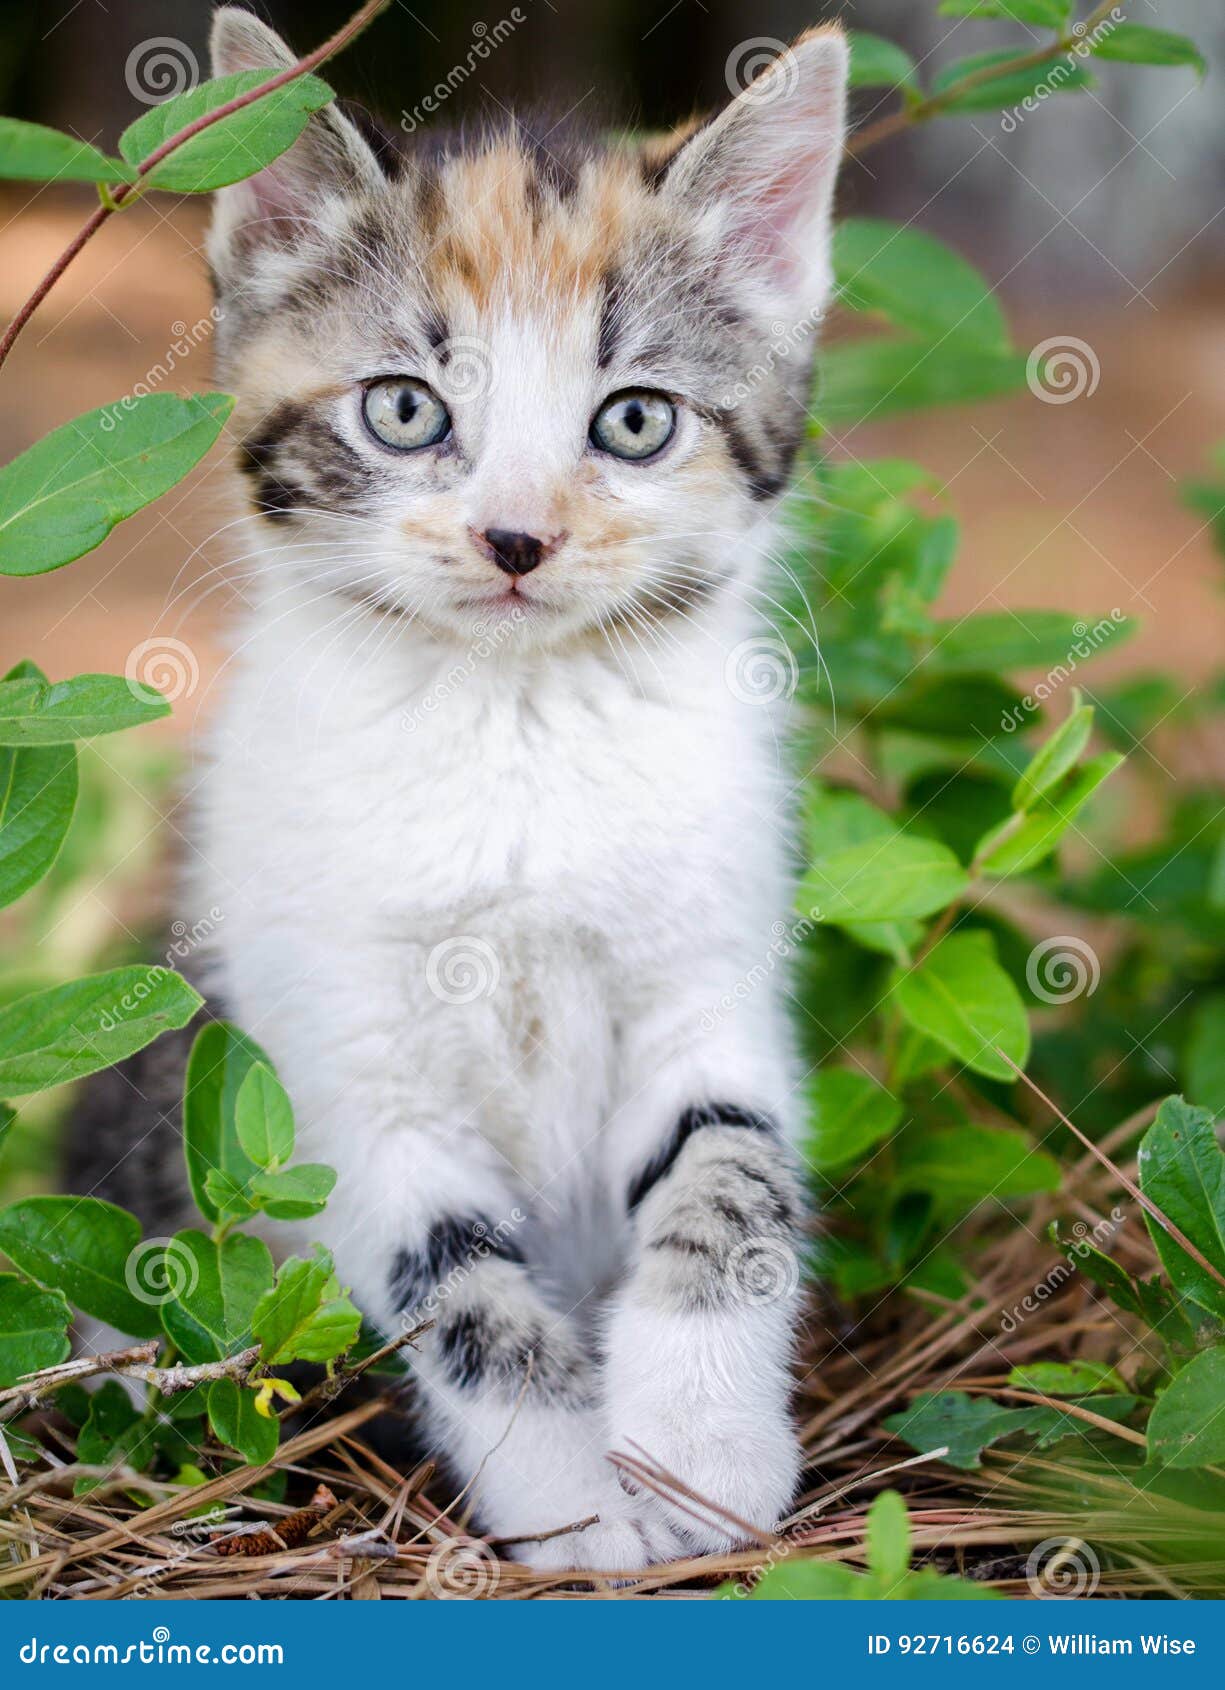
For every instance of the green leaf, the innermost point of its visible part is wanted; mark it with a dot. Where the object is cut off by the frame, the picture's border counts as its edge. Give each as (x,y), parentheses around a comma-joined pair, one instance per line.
(1182,1171)
(30,152)
(69,1031)
(961,997)
(235,146)
(1204,1060)
(847,1114)
(1048,14)
(1065,1378)
(883,879)
(963,1165)
(880,377)
(1053,759)
(62,496)
(1016,850)
(917,282)
(85,1248)
(1023,639)
(306,1316)
(1135,43)
(38,795)
(961,1424)
(33,1328)
(1009,88)
(7,1117)
(263,1117)
(1187,1425)
(220,1061)
(41,712)
(218,1288)
(113,1430)
(236,1421)
(887,1540)
(877,63)
(797,1580)
(294,1194)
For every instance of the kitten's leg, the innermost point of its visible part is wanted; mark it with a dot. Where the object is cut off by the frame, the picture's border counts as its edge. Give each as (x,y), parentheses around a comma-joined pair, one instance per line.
(511,1392)
(700,1334)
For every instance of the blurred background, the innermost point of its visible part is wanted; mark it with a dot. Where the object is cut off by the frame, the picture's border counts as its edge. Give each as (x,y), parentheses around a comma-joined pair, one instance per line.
(1101,218)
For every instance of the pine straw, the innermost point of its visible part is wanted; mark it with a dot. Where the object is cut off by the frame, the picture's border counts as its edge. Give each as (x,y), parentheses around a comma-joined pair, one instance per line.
(376,1533)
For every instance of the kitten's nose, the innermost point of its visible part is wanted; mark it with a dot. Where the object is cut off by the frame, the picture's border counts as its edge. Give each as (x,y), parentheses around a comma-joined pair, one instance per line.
(517,554)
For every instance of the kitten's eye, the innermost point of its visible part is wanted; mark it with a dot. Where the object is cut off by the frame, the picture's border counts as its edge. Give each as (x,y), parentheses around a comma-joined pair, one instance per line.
(634,424)
(405,414)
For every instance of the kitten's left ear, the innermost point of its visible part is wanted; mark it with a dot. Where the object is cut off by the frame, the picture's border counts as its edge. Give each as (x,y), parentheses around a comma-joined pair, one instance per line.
(330,156)
(768,163)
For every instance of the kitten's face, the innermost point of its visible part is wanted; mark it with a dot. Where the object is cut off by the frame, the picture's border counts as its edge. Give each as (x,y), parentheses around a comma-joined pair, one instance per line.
(495,390)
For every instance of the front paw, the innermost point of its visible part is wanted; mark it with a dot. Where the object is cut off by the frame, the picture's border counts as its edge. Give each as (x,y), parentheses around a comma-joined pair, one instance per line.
(743,1482)
(627,1538)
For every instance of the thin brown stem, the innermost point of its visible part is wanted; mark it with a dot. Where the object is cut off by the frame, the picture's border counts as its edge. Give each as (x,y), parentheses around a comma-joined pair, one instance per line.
(1129,1185)
(125,192)
(920,110)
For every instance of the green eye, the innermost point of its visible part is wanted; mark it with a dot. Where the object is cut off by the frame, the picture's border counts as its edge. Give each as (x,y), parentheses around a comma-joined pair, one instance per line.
(405,413)
(634,424)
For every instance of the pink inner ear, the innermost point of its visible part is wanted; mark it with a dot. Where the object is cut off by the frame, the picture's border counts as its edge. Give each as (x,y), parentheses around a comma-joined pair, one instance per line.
(781,210)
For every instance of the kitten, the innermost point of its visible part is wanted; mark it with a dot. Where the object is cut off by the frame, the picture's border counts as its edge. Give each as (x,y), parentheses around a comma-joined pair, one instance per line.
(487,814)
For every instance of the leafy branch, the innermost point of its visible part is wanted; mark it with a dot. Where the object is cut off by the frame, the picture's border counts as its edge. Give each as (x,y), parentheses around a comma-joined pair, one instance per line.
(919,110)
(124,193)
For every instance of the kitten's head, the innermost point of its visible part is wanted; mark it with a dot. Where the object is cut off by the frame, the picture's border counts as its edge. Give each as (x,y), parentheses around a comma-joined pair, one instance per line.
(510,379)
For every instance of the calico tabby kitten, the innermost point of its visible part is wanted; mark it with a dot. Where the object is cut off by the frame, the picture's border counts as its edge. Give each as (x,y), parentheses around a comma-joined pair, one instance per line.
(488,817)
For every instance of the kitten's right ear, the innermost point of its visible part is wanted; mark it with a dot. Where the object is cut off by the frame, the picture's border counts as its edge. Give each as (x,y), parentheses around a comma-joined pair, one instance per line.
(330,156)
